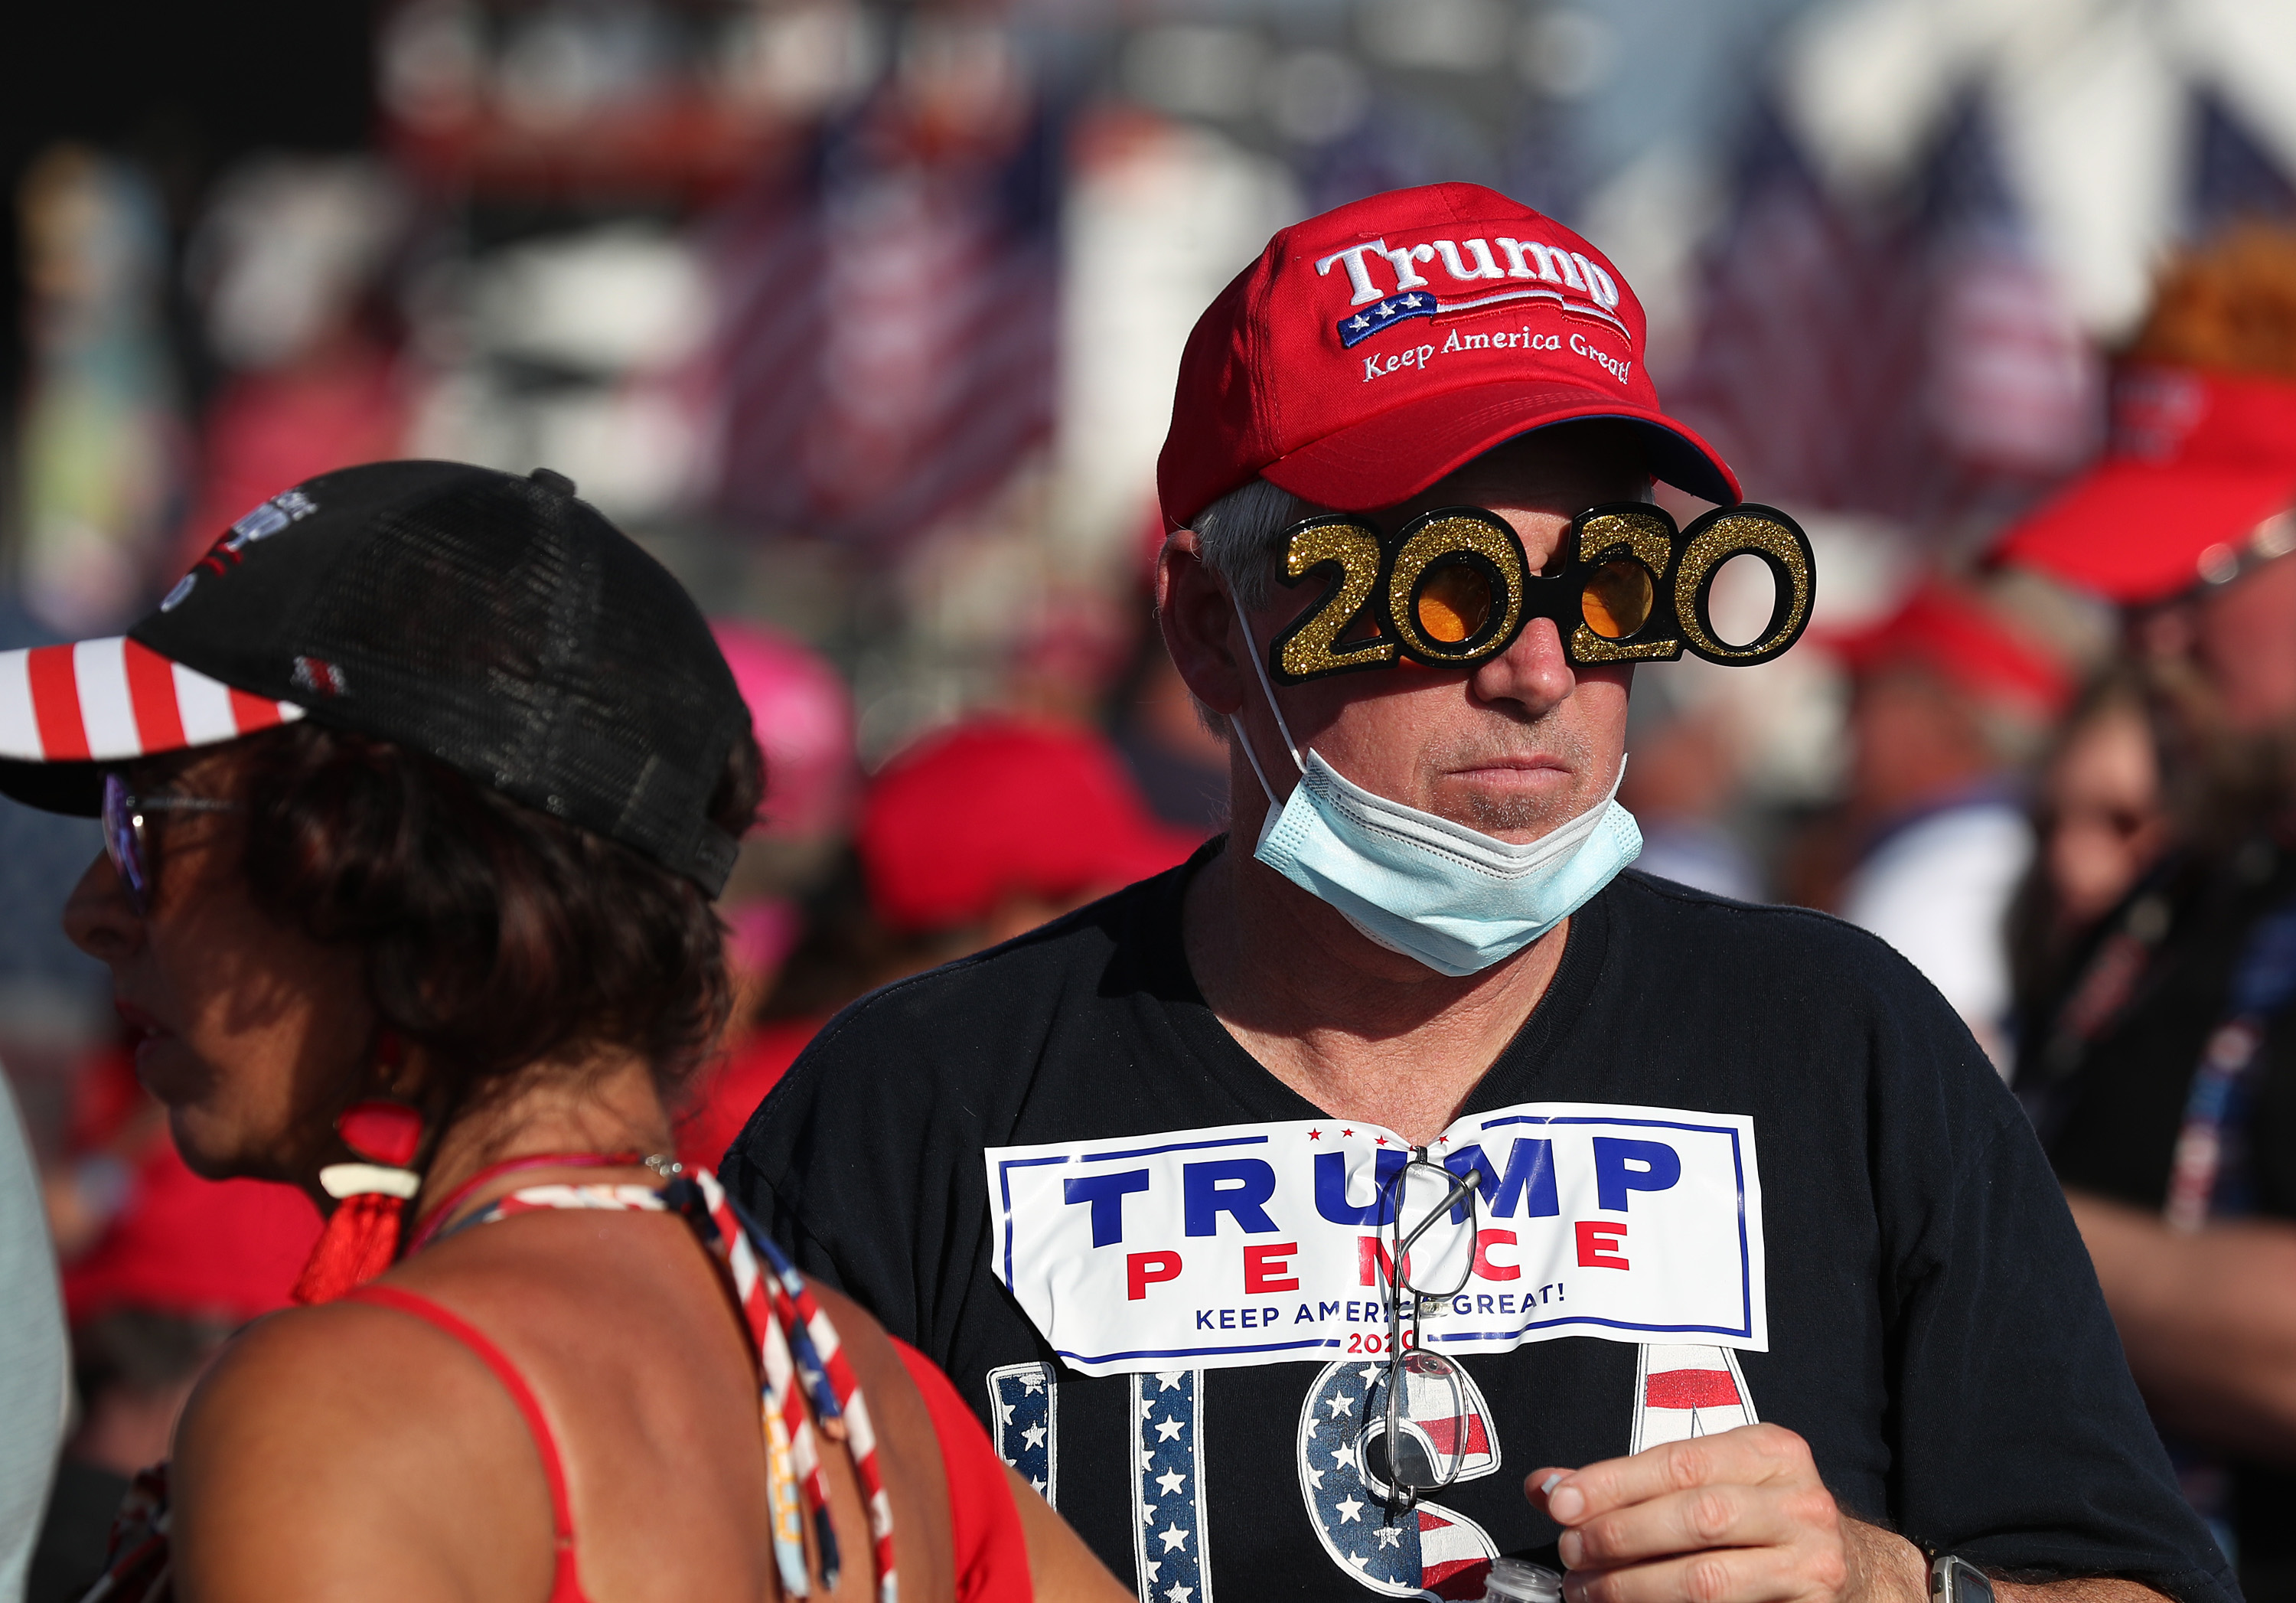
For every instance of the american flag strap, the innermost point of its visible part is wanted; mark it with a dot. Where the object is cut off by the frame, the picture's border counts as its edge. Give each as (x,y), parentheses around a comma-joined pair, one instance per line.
(800,1357)
(821,1361)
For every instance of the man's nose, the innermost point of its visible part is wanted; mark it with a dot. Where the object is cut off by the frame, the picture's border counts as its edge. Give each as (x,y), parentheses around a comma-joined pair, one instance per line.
(98,918)
(1532,673)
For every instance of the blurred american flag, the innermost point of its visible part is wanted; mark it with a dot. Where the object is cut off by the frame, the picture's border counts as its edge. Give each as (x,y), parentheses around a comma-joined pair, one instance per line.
(1907,356)
(889,319)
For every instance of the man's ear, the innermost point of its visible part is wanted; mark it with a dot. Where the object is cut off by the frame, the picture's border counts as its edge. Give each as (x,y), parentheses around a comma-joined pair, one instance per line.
(1200,625)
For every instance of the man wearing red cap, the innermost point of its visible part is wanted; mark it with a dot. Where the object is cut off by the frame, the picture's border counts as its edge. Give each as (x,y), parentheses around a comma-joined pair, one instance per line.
(1946,699)
(1284,1211)
(2163,1078)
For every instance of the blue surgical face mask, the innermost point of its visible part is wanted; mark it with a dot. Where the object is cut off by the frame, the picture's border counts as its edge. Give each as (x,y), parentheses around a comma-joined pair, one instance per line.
(1455,899)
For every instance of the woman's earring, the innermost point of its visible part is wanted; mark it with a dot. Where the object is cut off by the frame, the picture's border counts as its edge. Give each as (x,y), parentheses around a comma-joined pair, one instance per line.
(363,1235)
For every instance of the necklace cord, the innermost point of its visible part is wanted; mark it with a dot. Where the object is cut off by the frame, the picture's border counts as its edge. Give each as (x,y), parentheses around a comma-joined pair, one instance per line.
(434,1221)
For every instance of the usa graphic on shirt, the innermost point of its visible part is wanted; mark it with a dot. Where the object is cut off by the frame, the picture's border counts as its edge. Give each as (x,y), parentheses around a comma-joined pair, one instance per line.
(1161,1257)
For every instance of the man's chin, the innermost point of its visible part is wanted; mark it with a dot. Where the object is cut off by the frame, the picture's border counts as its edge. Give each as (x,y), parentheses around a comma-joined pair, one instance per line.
(1516,814)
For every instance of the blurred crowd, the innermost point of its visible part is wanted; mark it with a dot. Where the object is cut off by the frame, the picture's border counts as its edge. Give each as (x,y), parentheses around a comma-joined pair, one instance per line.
(864,322)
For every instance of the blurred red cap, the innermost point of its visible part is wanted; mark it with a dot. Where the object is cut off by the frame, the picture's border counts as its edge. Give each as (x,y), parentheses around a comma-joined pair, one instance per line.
(225,1249)
(2200,466)
(997,808)
(1959,637)
(1371,350)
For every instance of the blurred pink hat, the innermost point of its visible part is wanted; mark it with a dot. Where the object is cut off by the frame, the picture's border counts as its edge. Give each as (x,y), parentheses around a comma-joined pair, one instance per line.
(804,718)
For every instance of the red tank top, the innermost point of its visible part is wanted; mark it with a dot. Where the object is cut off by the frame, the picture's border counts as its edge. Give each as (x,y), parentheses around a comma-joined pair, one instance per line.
(992,1553)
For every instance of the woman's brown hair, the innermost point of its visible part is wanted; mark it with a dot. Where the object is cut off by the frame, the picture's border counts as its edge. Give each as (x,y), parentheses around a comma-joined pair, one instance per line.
(495,935)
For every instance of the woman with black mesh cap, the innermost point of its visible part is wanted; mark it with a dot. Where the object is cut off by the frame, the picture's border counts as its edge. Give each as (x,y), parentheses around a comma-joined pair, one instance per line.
(415,792)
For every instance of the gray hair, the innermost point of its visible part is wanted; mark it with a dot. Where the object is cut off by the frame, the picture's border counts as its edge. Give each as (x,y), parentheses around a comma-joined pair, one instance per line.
(1241,535)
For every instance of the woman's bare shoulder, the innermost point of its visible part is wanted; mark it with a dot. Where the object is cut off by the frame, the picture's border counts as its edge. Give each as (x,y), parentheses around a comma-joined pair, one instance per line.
(352,1451)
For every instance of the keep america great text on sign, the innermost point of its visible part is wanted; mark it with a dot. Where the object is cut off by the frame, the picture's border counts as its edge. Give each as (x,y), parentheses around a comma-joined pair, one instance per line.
(1257,1244)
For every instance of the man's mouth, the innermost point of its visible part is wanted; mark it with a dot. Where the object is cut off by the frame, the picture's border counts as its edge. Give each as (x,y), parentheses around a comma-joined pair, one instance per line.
(1505,766)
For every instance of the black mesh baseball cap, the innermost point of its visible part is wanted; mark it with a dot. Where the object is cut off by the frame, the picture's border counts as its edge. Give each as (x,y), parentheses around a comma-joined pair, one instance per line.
(495,622)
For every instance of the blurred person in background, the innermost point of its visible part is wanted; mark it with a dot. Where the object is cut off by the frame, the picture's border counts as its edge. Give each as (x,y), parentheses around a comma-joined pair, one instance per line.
(971,836)
(54,1005)
(416,797)
(34,1386)
(162,1267)
(1682,777)
(100,445)
(286,265)
(803,714)
(1947,702)
(983,832)
(2097,826)
(2161,1073)
(134,1366)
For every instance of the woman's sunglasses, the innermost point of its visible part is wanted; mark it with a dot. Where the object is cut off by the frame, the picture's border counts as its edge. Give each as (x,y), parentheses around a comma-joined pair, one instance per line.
(126,841)
(1452,588)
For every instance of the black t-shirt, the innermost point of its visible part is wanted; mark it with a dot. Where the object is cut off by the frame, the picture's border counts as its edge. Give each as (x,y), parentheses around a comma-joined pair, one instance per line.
(1933,1327)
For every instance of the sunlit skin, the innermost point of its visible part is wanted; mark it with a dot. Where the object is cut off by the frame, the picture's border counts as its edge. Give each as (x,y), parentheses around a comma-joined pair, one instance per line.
(351,1452)
(1516,747)
(1915,737)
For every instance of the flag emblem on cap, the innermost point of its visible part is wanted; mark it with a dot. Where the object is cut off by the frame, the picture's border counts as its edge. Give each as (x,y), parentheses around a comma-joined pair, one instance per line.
(289,506)
(114,700)
(1387,313)
(1363,322)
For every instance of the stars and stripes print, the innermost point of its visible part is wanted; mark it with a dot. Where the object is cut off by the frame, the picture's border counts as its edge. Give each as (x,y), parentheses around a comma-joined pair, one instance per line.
(1025,1404)
(1167,1488)
(886,342)
(1681,1392)
(1362,324)
(808,1380)
(1429,1549)
(115,699)
(1913,360)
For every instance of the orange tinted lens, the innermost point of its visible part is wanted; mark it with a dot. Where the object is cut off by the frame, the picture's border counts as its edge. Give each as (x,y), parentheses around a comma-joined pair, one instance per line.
(1618,599)
(1453,603)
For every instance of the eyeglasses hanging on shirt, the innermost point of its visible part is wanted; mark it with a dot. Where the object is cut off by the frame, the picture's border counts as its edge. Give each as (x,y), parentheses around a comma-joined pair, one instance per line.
(1415,1427)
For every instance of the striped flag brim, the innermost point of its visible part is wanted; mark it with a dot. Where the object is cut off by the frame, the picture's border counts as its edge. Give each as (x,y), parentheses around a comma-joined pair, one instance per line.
(114,700)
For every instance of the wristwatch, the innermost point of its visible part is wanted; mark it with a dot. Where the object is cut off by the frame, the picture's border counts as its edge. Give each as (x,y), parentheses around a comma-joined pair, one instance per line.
(1953,1578)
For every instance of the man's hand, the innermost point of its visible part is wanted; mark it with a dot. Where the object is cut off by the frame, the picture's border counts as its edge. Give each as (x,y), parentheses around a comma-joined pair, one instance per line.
(1739,1517)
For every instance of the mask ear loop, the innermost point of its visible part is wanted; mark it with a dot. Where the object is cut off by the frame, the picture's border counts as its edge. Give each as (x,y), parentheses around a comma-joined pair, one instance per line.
(1268,689)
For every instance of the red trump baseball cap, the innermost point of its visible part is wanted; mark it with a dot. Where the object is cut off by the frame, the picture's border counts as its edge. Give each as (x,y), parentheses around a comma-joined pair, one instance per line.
(998,806)
(2197,485)
(1372,350)
(1954,633)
